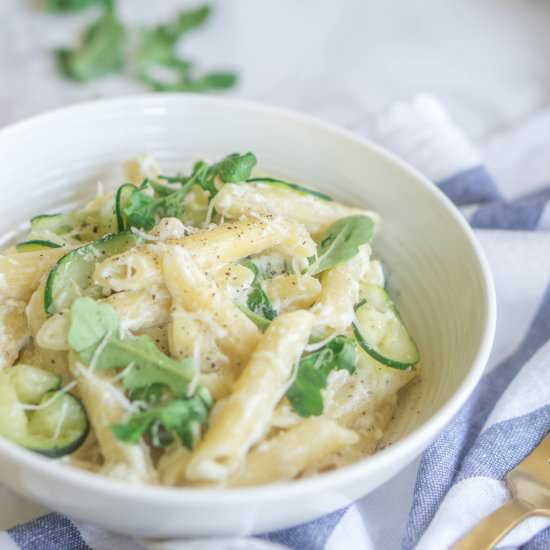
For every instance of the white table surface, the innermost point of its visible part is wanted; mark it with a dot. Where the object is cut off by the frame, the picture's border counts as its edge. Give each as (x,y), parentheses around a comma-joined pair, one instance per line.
(341,60)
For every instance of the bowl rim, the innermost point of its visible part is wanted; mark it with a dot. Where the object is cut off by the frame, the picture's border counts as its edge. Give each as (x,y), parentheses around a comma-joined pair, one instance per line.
(407,446)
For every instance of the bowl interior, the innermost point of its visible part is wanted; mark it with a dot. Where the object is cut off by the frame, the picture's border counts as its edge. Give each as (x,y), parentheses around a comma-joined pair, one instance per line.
(433,267)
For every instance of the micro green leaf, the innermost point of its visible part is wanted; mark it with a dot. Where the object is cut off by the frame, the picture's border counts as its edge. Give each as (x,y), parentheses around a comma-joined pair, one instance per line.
(183,417)
(341,242)
(185,21)
(159,66)
(259,308)
(101,52)
(94,335)
(90,324)
(235,167)
(259,303)
(73,5)
(143,211)
(150,365)
(313,370)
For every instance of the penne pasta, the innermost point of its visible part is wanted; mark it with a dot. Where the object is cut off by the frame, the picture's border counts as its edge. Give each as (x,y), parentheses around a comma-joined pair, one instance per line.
(107,405)
(291,452)
(14,331)
(235,200)
(137,310)
(245,416)
(230,242)
(214,329)
(291,292)
(191,290)
(334,309)
(20,273)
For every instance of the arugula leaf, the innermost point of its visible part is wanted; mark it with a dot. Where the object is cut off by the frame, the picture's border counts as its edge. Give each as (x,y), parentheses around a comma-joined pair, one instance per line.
(305,393)
(313,370)
(148,394)
(94,334)
(102,50)
(234,168)
(73,5)
(183,417)
(151,366)
(341,242)
(259,303)
(90,324)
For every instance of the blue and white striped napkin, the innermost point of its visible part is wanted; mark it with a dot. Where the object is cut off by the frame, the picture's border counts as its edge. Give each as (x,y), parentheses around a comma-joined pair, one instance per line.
(460,476)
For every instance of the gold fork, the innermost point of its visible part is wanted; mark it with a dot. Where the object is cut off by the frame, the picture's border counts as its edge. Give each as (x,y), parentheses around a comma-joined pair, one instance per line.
(529,483)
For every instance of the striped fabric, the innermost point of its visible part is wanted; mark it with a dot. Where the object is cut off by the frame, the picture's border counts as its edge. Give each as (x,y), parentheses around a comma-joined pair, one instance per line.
(460,477)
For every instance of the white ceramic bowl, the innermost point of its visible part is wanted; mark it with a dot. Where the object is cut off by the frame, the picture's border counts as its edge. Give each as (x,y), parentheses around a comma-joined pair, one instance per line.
(437,273)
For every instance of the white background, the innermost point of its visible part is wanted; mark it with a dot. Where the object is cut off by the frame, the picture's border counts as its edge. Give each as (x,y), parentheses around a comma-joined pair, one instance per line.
(487,60)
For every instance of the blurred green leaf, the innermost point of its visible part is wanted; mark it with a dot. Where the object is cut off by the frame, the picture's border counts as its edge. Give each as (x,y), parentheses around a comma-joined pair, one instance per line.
(159,66)
(101,52)
(74,5)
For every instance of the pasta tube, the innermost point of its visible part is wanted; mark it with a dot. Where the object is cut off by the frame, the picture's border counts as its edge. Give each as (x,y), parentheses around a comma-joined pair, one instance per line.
(235,200)
(139,268)
(246,414)
(289,453)
(340,293)
(291,292)
(20,273)
(107,405)
(191,290)
(137,310)
(14,332)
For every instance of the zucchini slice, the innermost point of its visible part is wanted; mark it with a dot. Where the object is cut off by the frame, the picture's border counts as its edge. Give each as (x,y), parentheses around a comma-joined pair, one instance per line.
(121,199)
(35,244)
(290,186)
(31,383)
(379,330)
(59,427)
(56,223)
(72,275)
(13,419)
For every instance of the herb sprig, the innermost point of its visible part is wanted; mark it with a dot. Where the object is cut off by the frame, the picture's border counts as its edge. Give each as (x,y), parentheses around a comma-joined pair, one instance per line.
(149,375)
(73,5)
(341,242)
(259,307)
(313,370)
(143,211)
(102,50)
(182,417)
(149,55)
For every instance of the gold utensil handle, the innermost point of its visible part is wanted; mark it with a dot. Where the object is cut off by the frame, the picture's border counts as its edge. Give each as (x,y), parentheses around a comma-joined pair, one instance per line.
(490,530)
